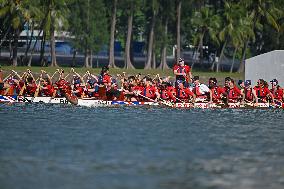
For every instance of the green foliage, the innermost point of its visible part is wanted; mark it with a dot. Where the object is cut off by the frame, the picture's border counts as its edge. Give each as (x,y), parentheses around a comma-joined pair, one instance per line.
(88,24)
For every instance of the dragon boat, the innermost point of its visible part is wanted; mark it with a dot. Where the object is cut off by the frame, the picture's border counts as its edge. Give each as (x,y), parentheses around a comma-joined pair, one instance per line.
(91,102)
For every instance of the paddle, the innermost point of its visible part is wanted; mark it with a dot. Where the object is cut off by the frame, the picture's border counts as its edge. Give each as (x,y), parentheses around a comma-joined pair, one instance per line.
(161,102)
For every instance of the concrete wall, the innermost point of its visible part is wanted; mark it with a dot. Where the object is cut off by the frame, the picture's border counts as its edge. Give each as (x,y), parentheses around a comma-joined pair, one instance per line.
(267,66)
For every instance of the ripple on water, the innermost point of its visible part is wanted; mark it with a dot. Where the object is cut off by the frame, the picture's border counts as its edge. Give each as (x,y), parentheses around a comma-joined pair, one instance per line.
(137,147)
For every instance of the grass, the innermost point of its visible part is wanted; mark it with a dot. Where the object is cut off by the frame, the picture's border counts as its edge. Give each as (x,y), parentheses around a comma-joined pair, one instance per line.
(204,75)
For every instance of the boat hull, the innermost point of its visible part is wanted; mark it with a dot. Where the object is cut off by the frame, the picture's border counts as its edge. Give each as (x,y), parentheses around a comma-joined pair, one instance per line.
(90,102)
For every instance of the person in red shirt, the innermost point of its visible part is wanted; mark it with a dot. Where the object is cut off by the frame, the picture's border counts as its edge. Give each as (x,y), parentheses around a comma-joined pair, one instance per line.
(104,77)
(234,94)
(262,91)
(216,92)
(149,91)
(182,72)
(184,93)
(166,92)
(31,87)
(276,90)
(47,88)
(3,85)
(78,90)
(250,95)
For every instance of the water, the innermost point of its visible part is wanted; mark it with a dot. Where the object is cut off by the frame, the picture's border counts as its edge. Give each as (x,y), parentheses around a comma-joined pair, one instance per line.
(56,146)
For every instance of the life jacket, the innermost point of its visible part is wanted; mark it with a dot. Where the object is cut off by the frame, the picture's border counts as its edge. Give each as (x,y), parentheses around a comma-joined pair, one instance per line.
(261,92)
(48,91)
(31,89)
(278,93)
(232,93)
(63,86)
(216,92)
(183,93)
(248,94)
(198,93)
(165,94)
(182,69)
(104,79)
(80,91)
(148,92)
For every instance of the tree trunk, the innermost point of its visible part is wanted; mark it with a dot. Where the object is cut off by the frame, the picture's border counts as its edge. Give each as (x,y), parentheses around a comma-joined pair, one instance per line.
(91,59)
(178,29)
(154,66)
(86,64)
(15,47)
(128,64)
(74,59)
(200,46)
(150,42)
(29,42)
(5,35)
(164,64)
(112,33)
(42,50)
(234,57)
(221,56)
(52,43)
(242,63)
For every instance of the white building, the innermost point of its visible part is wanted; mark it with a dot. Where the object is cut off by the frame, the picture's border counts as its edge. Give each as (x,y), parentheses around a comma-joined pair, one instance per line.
(266,66)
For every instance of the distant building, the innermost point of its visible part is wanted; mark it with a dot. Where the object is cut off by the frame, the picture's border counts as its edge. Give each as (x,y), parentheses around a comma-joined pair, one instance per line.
(266,66)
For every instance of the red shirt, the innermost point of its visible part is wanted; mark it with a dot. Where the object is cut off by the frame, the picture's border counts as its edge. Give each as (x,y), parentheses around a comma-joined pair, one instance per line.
(149,92)
(31,88)
(233,93)
(182,69)
(79,90)
(48,90)
(184,93)
(105,78)
(248,94)
(217,92)
(277,93)
(261,92)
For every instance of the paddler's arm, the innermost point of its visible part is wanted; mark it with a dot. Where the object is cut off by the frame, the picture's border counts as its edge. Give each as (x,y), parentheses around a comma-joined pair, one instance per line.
(272,97)
(255,96)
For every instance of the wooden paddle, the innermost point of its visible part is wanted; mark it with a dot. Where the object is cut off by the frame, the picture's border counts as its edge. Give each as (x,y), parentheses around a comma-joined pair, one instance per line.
(161,100)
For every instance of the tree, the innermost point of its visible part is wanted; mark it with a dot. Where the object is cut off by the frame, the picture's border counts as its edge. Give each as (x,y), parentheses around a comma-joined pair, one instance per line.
(56,20)
(205,22)
(15,13)
(178,19)
(153,6)
(131,6)
(88,27)
(259,10)
(112,33)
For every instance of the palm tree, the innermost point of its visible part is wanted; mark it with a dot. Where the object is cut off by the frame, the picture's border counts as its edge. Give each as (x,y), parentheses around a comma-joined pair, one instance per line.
(112,34)
(154,6)
(16,13)
(178,20)
(257,10)
(56,20)
(205,22)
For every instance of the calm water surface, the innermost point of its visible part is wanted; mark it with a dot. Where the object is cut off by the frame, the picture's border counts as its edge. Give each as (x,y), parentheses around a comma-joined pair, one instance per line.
(56,146)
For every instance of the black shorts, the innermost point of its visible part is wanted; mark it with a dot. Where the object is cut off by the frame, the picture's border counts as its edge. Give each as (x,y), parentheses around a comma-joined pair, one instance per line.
(1,86)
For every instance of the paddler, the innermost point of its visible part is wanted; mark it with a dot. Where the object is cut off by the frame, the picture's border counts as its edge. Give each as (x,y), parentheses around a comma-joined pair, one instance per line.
(182,72)
(217,93)
(276,90)
(234,94)
(263,92)
(201,91)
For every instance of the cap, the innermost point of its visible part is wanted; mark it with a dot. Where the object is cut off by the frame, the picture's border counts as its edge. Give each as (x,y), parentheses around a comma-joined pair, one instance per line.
(77,81)
(228,79)
(274,81)
(195,78)
(180,60)
(240,82)
(247,82)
